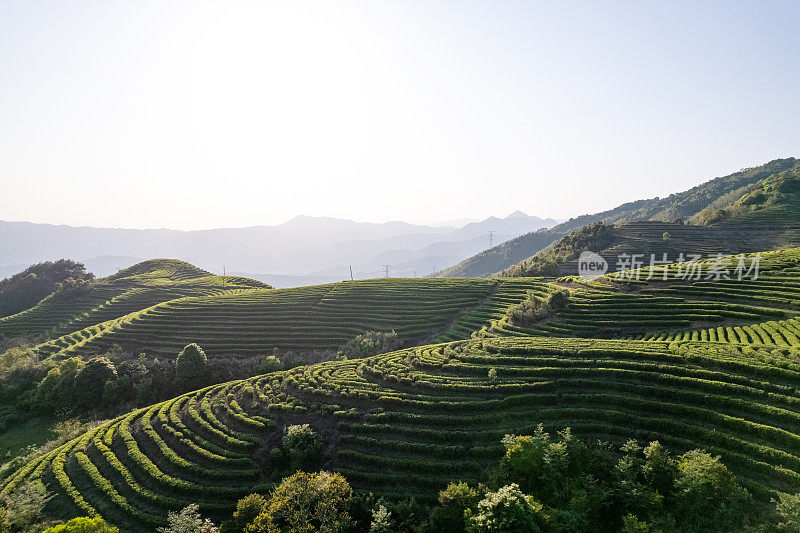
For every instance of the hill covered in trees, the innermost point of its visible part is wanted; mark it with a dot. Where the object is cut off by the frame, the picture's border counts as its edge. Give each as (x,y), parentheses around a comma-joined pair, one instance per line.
(764,196)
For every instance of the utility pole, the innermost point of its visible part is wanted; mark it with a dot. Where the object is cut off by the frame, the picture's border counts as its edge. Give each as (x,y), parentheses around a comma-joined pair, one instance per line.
(491,238)
(415,273)
(351,272)
(386,270)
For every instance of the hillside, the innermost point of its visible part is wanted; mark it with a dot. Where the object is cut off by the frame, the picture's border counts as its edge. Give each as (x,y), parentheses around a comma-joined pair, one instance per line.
(26,288)
(407,422)
(757,195)
(651,241)
(250,322)
(133,289)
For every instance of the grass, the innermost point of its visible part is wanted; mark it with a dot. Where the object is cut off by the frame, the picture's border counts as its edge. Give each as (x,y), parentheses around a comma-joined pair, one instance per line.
(34,432)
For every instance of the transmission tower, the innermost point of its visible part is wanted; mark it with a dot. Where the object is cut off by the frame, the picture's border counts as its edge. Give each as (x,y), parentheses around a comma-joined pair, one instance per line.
(386,270)
(491,238)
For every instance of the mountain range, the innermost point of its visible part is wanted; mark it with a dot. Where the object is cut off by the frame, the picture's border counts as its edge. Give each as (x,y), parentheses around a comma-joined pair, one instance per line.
(305,250)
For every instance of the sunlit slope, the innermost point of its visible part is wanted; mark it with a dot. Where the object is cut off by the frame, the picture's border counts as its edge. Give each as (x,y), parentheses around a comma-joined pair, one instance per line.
(415,419)
(133,289)
(644,304)
(255,321)
(764,195)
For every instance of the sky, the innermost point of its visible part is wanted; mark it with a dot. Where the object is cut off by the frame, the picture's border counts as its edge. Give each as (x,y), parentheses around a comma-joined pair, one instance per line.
(194,114)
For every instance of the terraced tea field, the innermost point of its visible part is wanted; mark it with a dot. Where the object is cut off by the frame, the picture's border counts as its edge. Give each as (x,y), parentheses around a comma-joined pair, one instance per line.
(141,286)
(654,302)
(415,419)
(709,364)
(159,306)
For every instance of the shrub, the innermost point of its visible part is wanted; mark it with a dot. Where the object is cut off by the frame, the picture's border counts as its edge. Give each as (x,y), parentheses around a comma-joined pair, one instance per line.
(23,507)
(788,510)
(506,510)
(301,445)
(381,520)
(370,343)
(708,496)
(534,309)
(191,364)
(188,521)
(247,509)
(91,380)
(307,502)
(84,524)
(269,364)
(453,501)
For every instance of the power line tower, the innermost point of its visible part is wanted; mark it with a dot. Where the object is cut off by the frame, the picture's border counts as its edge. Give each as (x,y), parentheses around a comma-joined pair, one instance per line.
(491,238)
(386,270)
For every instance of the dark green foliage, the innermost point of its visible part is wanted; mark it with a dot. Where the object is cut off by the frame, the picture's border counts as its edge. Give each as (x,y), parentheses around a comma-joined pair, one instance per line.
(448,515)
(269,364)
(370,343)
(595,237)
(191,364)
(24,290)
(91,382)
(707,496)
(247,509)
(583,487)
(302,446)
(22,509)
(535,309)
(787,508)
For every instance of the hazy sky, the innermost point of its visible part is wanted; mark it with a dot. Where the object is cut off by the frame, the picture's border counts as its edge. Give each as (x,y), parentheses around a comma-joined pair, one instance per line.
(208,114)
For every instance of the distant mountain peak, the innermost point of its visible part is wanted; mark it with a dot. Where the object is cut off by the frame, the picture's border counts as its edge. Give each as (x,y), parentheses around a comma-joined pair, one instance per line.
(518,214)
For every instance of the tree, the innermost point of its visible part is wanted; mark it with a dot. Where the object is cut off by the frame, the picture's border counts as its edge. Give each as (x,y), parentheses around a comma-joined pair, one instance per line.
(666,236)
(631,524)
(302,446)
(307,502)
(24,290)
(381,520)
(84,524)
(23,507)
(247,509)
(370,343)
(505,510)
(787,508)
(91,380)
(707,495)
(453,501)
(269,364)
(191,364)
(188,520)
